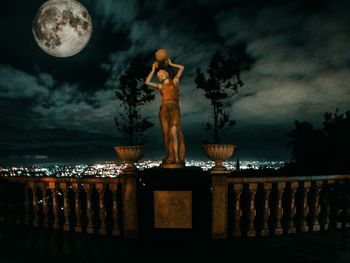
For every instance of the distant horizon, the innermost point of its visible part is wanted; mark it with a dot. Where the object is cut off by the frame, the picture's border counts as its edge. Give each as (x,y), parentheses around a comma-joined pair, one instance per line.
(156,159)
(79,155)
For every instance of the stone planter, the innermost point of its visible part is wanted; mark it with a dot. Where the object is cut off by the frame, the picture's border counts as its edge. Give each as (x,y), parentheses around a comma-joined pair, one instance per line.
(219,153)
(130,155)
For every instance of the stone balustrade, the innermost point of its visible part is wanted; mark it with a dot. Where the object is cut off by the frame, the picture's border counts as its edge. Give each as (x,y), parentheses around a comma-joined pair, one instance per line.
(241,206)
(260,206)
(81,205)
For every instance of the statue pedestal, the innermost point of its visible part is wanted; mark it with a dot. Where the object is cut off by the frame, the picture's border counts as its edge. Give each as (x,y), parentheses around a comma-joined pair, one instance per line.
(174,203)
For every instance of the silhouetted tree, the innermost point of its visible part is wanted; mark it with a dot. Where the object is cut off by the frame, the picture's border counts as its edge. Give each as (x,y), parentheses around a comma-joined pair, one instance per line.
(220,85)
(132,94)
(336,128)
(322,150)
(306,146)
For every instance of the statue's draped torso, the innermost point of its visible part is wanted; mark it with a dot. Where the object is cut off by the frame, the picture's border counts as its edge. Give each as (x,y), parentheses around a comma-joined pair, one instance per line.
(170,91)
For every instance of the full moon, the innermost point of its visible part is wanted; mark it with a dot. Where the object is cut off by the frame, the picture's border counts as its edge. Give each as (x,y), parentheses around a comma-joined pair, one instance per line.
(62,28)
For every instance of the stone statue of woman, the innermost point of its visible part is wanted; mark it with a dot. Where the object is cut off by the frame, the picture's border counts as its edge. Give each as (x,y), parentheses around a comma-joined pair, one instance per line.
(169,113)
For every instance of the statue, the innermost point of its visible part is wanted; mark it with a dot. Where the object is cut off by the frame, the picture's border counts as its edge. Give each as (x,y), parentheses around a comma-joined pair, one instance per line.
(169,113)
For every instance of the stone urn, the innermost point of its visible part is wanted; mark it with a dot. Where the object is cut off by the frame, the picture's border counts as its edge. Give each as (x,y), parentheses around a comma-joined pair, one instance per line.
(129,155)
(219,153)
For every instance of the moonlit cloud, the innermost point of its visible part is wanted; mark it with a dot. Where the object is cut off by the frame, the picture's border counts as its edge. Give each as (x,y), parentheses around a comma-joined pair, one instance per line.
(121,12)
(18,84)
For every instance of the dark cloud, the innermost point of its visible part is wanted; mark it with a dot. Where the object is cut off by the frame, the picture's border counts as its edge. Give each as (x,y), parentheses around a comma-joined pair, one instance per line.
(58,107)
(300,71)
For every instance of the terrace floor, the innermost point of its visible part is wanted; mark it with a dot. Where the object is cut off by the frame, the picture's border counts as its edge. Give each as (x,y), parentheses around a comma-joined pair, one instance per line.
(21,244)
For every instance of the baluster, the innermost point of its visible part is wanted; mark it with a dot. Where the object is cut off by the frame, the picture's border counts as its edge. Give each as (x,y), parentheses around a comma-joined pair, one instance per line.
(6,209)
(26,205)
(115,210)
(76,189)
(45,207)
(252,211)
(279,208)
(17,207)
(327,204)
(237,188)
(89,212)
(338,206)
(305,207)
(22,203)
(66,206)
(13,199)
(55,205)
(265,231)
(315,206)
(11,209)
(6,204)
(292,208)
(36,206)
(2,203)
(102,208)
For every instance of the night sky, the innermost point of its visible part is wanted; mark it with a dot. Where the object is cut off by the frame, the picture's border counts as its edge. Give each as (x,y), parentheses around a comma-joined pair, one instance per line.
(62,109)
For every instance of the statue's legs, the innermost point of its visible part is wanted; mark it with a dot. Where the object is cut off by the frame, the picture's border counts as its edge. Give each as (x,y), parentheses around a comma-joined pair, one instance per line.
(169,116)
(175,142)
(181,139)
(164,121)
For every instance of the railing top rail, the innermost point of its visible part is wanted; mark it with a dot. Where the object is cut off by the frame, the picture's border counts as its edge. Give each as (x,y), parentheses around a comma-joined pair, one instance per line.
(287,178)
(261,179)
(15,179)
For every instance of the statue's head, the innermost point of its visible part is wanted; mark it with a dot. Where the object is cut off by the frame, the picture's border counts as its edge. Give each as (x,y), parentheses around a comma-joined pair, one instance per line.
(162,75)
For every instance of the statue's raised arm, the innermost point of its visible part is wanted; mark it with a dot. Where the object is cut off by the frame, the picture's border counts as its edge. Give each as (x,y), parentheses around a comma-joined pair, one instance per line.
(150,76)
(179,72)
